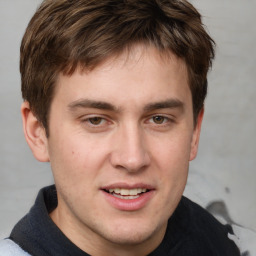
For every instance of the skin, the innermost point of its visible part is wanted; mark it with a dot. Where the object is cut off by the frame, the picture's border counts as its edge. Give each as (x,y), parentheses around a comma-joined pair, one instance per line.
(129,121)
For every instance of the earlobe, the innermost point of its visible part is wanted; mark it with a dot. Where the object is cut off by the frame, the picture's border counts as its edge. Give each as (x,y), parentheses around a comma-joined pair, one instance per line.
(34,133)
(196,135)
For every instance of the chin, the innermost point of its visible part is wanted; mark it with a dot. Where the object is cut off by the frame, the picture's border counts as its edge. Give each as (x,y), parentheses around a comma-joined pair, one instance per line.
(131,233)
(129,238)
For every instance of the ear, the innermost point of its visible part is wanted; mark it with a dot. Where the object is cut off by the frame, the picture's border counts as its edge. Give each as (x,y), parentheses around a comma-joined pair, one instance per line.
(34,133)
(196,135)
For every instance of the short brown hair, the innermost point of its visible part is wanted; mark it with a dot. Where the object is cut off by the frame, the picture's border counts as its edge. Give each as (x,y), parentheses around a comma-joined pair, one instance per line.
(63,34)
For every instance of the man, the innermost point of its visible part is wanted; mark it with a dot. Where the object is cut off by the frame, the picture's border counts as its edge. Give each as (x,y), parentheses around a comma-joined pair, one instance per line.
(114,99)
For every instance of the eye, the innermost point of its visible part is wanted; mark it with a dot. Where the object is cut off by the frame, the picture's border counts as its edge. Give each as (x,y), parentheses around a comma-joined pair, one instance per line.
(96,123)
(159,119)
(160,122)
(96,120)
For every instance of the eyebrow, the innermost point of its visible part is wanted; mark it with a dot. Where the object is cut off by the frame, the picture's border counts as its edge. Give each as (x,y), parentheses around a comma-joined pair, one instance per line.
(86,103)
(170,103)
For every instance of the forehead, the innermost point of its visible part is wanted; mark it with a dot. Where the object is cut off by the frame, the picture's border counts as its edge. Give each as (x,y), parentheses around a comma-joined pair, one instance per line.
(138,54)
(138,74)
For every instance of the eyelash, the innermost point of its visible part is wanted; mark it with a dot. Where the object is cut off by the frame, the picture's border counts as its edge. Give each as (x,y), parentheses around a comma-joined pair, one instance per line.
(165,119)
(96,119)
(89,121)
(103,121)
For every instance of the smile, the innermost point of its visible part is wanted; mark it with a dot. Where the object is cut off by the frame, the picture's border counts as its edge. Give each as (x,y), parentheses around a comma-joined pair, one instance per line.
(127,194)
(126,197)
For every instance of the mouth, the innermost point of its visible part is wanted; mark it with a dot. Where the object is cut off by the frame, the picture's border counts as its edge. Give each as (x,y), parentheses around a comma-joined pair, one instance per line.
(127,194)
(127,197)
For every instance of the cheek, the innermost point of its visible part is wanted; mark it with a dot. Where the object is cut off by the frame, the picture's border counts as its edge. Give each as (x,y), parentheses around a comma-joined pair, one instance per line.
(172,161)
(76,160)
(173,152)
(171,174)
(66,161)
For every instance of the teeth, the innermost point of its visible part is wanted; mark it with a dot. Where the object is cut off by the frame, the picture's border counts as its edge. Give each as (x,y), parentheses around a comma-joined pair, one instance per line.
(125,197)
(128,192)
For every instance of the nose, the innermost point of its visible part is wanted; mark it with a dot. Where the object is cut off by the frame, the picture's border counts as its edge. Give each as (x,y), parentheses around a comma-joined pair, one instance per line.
(129,150)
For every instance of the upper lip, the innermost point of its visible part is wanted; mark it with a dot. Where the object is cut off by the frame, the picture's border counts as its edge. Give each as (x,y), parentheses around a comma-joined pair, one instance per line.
(127,186)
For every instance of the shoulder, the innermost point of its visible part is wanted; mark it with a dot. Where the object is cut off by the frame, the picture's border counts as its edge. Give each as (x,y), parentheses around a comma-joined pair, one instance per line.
(10,248)
(203,234)
(203,223)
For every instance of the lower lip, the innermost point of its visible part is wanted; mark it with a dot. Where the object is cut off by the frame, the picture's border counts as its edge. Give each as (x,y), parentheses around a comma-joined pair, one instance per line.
(129,204)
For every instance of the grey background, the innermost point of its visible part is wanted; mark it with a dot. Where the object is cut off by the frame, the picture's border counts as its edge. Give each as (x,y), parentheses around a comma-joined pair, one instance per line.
(225,166)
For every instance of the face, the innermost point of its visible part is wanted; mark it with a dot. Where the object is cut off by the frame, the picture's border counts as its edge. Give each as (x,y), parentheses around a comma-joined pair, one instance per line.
(121,138)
